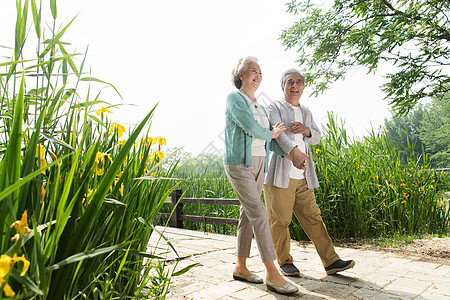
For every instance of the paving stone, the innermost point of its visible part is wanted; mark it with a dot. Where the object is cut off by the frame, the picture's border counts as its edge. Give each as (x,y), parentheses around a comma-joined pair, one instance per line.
(218,291)
(434,296)
(379,279)
(376,275)
(249,293)
(407,287)
(375,295)
(439,287)
(334,290)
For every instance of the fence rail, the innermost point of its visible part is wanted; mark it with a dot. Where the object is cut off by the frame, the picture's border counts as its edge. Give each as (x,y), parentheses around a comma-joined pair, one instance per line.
(178,218)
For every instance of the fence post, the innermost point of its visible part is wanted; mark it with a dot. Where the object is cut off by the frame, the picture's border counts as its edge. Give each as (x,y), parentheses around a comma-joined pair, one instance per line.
(176,220)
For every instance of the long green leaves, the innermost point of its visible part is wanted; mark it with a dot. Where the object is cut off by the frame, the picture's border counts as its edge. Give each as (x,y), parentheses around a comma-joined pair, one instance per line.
(62,161)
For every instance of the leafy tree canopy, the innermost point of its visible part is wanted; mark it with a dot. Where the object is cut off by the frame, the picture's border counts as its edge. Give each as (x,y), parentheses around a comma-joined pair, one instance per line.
(412,35)
(424,131)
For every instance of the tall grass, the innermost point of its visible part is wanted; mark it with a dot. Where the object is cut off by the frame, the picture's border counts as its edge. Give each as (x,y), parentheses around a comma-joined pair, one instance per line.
(366,190)
(90,197)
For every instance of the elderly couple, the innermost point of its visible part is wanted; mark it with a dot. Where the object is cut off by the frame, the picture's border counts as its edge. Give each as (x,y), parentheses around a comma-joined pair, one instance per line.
(275,142)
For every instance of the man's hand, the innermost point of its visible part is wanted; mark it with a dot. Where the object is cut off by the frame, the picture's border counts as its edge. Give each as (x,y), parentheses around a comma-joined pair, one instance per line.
(298,158)
(298,127)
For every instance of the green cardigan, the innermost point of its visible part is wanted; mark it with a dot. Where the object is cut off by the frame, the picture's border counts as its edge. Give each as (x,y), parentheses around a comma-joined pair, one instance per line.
(240,129)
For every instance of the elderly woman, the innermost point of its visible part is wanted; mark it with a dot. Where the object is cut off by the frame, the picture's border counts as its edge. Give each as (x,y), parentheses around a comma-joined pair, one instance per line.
(248,138)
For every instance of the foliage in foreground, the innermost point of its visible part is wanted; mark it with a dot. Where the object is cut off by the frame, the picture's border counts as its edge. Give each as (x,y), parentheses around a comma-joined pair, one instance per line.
(88,197)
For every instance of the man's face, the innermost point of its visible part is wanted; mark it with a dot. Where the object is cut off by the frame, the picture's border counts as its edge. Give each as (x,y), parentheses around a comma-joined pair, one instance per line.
(293,87)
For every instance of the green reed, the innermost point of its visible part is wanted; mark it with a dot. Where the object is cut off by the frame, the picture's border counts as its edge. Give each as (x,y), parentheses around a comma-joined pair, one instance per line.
(366,190)
(91,198)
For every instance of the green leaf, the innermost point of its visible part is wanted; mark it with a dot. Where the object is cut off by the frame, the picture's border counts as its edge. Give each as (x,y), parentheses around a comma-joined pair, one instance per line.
(14,187)
(36,18)
(101,81)
(53,8)
(185,269)
(84,255)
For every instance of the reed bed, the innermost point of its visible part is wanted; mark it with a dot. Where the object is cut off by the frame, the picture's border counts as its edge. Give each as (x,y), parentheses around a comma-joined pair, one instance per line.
(366,190)
(77,199)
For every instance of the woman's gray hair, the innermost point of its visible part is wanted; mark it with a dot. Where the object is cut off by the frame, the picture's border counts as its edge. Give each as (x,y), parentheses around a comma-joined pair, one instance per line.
(290,72)
(240,68)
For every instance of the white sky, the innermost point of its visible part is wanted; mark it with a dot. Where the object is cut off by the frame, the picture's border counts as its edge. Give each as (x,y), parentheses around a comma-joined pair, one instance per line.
(181,53)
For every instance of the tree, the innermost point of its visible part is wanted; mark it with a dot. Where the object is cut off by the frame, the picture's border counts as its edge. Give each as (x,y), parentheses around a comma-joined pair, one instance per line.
(424,129)
(412,35)
(404,133)
(435,132)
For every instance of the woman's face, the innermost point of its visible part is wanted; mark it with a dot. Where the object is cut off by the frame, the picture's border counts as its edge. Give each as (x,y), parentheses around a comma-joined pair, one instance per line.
(251,78)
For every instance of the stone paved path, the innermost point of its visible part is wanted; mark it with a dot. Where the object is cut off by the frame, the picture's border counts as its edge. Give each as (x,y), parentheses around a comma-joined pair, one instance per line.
(376,275)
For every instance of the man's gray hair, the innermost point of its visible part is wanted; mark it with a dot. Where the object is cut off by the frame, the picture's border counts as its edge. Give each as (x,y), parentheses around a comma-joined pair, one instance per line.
(290,72)
(240,68)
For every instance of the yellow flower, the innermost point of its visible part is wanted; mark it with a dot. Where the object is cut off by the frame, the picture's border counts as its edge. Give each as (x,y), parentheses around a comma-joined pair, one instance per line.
(40,155)
(160,155)
(99,171)
(22,225)
(405,195)
(102,110)
(153,175)
(121,190)
(120,129)
(7,290)
(422,189)
(431,187)
(403,202)
(6,264)
(99,162)
(384,204)
(43,163)
(152,141)
(43,191)
(88,195)
(318,151)
(441,203)
(161,141)
(40,151)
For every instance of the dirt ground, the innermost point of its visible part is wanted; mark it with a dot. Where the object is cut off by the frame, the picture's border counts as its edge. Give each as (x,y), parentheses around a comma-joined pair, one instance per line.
(431,249)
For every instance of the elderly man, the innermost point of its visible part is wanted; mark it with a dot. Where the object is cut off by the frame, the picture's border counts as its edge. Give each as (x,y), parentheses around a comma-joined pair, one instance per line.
(288,189)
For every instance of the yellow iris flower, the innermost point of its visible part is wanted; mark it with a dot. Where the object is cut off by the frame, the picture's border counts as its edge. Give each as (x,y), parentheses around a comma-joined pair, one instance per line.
(43,192)
(102,110)
(120,129)
(40,155)
(160,155)
(150,141)
(22,225)
(88,195)
(161,141)
(6,264)
(121,189)
(99,162)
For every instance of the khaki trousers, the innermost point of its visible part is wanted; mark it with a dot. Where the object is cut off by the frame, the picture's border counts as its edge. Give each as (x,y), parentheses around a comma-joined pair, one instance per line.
(248,182)
(297,198)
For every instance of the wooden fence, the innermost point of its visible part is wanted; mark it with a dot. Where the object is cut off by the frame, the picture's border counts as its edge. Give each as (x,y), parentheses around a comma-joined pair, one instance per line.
(178,218)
